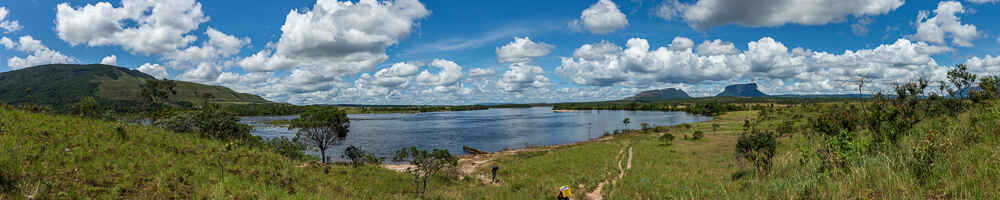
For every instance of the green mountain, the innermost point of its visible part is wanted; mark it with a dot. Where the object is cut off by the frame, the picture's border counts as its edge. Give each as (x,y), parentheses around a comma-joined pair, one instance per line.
(661,94)
(60,85)
(742,90)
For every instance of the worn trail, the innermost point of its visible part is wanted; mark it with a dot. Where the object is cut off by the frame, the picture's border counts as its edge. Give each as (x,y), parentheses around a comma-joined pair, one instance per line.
(596,194)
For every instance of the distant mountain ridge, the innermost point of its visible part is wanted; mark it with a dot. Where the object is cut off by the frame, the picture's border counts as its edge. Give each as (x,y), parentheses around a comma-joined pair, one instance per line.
(742,90)
(60,85)
(661,94)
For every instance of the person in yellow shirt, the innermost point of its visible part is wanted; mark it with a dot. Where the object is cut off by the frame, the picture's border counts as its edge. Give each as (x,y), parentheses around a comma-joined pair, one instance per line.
(564,193)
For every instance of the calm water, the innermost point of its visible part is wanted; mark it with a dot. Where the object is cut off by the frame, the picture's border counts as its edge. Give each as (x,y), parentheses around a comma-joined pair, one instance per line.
(489,130)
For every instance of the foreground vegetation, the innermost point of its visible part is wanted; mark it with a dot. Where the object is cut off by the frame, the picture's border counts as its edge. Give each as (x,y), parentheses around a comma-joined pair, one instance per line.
(917,145)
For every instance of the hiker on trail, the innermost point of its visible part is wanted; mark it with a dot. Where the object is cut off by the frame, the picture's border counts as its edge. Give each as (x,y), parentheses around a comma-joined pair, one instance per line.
(564,193)
(495,168)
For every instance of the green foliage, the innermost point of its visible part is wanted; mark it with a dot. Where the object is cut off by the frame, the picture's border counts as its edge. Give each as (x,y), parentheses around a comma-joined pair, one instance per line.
(924,155)
(840,151)
(358,156)
(645,126)
(156,92)
(961,79)
(989,88)
(697,135)
(667,138)
(786,128)
(757,146)
(209,123)
(626,122)
(834,121)
(287,148)
(87,107)
(426,164)
(321,128)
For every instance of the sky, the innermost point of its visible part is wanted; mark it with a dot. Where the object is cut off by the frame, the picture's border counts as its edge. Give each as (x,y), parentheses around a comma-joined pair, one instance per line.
(517,51)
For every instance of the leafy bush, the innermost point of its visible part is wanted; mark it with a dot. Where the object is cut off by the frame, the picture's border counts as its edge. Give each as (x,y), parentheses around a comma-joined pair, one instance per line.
(667,138)
(209,123)
(697,135)
(358,156)
(287,148)
(428,164)
(757,146)
(840,151)
(923,157)
(834,121)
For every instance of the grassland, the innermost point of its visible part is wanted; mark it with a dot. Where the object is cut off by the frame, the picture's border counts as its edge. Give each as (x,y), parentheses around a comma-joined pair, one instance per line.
(67,157)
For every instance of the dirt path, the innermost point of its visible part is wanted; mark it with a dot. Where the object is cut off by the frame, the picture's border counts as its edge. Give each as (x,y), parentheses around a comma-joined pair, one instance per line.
(596,194)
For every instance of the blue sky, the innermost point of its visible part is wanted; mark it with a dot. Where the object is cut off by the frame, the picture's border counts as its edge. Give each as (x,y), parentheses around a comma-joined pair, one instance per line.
(448,52)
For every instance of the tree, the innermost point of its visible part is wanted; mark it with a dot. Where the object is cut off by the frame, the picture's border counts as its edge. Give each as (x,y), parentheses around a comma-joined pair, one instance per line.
(715,127)
(358,156)
(87,107)
(321,128)
(205,97)
(626,122)
(961,79)
(157,92)
(426,164)
(988,88)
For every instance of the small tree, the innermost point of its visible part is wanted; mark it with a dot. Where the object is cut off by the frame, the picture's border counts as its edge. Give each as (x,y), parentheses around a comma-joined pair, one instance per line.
(626,122)
(715,127)
(358,156)
(321,128)
(988,88)
(427,164)
(287,148)
(87,107)
(757,146)
(155,93)
(961,79)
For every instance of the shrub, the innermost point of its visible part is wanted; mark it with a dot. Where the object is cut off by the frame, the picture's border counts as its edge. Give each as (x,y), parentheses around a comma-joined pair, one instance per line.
(428,164)
(758,147)
(209,123)
(840,150)
(697,135)
(357,156)
(667,138)
(287,148)
(923,157)
(834,121)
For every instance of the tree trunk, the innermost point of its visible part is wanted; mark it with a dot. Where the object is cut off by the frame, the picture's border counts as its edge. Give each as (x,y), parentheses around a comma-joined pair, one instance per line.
(322,152)
(422,191)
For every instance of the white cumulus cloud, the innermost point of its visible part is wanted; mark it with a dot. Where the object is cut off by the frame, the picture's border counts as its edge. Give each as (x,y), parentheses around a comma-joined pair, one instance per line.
(140,26)
(521,77)
(522,50)
(8,25)
(38,54)
(934,29)
(110,60)
(477,72)
(775,66)
(154,70)
(601,18)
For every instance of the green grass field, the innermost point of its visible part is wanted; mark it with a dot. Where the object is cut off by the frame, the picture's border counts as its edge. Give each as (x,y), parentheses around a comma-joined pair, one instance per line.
(64,157)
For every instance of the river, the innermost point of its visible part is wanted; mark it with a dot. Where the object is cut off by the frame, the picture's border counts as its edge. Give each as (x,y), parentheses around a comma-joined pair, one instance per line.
(489,130)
